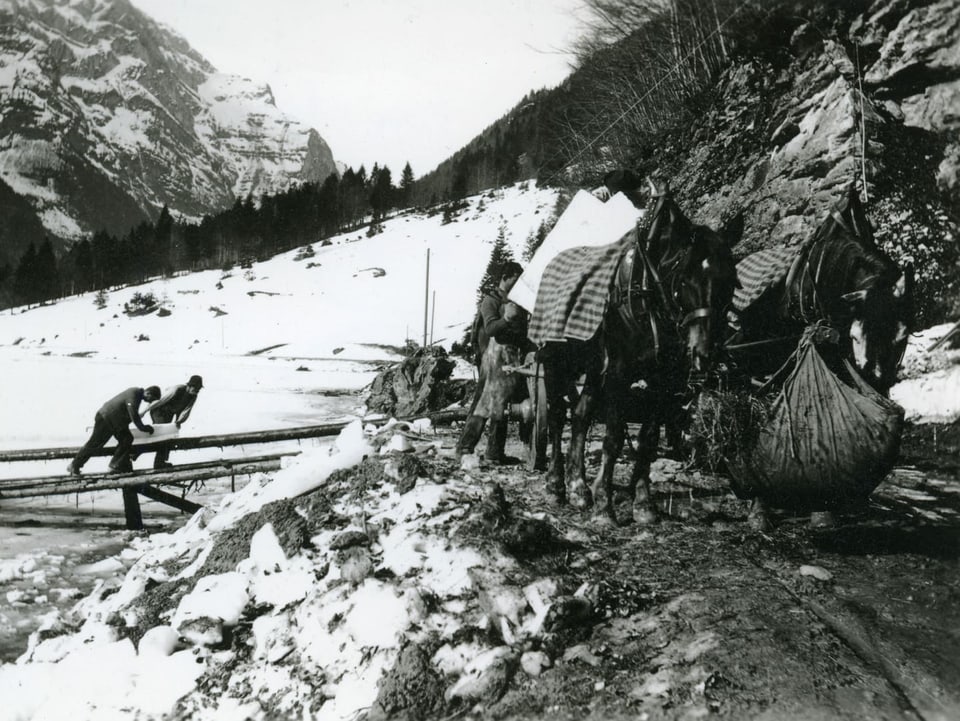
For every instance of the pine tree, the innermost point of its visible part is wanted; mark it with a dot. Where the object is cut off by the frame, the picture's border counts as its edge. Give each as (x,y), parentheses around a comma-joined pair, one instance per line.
(46,276)
(535,240)
(406,185)
(25,277)
(499,255)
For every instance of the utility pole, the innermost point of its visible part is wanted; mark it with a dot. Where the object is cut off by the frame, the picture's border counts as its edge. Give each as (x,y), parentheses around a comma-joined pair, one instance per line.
(433,315)
(426,300)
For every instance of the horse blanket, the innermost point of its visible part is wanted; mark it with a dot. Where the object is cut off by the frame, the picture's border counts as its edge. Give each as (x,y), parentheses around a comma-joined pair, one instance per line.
(587,221)
(760,271)
(574,292)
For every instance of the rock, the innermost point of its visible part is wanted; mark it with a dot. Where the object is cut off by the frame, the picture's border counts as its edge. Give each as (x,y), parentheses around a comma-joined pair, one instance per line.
(203,631)
(356,565)
(821,574)
(158,641)
(413,386)
(534,663)
(349,539)
(581,652)
(413,687)
(486,677)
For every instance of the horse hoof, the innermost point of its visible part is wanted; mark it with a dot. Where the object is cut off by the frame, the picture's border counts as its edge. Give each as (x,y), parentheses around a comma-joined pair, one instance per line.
(581,503)
(605,519)
(643,516)
(758,522)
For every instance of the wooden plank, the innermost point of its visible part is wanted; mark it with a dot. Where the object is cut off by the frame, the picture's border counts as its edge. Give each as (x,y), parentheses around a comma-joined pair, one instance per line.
(169,499)
(221,441)
(147,474)
(131,509)
(68,485)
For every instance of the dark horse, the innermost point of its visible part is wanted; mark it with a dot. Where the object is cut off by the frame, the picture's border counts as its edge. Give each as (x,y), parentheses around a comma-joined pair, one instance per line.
(662,319)
(839,277)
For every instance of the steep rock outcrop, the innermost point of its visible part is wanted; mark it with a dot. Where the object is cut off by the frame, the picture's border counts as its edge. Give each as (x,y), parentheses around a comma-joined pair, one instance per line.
(784,135)
(106,116)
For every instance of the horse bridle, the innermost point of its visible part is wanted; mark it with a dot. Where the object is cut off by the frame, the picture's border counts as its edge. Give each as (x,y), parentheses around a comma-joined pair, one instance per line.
(652,283)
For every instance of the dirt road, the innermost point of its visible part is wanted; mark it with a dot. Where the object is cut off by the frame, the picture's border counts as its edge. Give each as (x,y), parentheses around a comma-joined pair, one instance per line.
(699,616)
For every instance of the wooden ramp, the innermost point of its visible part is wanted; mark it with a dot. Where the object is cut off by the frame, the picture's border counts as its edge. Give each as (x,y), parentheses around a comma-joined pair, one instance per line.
(145,482)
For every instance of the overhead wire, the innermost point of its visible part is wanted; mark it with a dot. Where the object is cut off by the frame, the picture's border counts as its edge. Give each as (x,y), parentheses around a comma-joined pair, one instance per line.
(676,66)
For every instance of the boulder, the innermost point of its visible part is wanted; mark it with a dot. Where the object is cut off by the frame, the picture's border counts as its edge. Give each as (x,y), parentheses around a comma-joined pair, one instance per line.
(418,384)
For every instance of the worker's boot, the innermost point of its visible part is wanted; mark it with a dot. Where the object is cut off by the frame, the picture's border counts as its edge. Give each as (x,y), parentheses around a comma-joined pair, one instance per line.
(472,430)
(496,441)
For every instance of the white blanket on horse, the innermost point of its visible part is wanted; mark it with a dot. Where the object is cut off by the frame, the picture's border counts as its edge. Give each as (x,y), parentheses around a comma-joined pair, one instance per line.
(587,221)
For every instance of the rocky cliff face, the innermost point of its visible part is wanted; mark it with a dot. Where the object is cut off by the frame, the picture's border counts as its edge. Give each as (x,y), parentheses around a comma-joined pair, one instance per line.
(105,117)
(877,104)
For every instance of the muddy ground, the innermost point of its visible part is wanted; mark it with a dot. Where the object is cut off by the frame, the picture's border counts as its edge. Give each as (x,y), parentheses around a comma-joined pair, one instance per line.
(699,616)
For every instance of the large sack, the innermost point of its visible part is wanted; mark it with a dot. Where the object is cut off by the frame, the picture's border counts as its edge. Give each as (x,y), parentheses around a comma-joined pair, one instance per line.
(828,442)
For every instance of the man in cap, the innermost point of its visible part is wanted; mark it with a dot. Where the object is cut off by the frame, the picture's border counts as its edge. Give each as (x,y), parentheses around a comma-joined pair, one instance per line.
(174,406)
(112,420)
(500,338)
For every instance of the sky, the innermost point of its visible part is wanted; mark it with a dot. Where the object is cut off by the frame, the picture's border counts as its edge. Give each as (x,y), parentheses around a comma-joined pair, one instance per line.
(385,81)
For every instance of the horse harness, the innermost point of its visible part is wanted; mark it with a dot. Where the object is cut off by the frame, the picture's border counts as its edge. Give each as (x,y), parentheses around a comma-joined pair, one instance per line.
(653,297)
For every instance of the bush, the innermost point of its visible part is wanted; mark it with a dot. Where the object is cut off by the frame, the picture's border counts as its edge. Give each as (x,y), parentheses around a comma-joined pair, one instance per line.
(140,304)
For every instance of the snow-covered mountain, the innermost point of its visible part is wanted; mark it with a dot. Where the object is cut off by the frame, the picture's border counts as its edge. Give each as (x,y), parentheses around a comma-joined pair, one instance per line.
(107,116)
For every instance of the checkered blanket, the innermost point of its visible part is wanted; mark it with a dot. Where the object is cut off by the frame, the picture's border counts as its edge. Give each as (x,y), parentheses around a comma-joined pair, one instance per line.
(761,270)
(574,292)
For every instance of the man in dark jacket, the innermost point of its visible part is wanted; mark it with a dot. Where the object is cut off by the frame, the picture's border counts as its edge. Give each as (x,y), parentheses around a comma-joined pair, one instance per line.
(112,420)
(174,406)
(506,324)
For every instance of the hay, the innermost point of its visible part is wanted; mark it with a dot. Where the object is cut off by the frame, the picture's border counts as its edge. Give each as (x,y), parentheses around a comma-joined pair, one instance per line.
(724,428)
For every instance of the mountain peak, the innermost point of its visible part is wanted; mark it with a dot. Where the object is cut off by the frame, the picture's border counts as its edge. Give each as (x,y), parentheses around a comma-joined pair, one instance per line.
(106,116)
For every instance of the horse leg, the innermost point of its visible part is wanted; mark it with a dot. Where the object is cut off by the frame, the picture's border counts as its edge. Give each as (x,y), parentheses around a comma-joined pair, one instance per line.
(577,488)
(647,441)
(612,446)
(556,417)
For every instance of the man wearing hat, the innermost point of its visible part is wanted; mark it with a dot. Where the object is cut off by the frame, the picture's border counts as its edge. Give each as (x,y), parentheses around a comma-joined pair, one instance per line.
(174,406)
(113,419)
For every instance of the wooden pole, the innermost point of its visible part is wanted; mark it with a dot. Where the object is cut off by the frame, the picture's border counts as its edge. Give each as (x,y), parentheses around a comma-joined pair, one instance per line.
(433,315)
(169,499)
(66,486)
(220,441)
(131,509)
(426,300)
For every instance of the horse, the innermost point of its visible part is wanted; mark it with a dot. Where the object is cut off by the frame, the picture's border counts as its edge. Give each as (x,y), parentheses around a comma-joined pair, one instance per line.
(840,277)
(662,317)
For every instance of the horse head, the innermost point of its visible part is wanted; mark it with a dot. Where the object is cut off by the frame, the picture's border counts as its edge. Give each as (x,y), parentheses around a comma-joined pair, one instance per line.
(878,313)
(697,268)
(880,326)
(706,289)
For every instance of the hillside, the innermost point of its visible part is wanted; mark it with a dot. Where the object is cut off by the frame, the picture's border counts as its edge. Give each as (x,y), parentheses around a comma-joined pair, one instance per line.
(768,109)
(346,301)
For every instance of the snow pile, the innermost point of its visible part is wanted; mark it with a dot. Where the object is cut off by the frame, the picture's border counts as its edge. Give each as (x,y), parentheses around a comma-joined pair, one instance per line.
(297,608)
(930,389)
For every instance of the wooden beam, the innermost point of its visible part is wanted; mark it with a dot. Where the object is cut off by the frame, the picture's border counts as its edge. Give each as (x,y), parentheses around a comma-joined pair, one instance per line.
(67,485)
(168,498)
(131,509)
(221,441)
(148,475)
